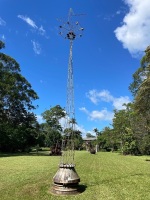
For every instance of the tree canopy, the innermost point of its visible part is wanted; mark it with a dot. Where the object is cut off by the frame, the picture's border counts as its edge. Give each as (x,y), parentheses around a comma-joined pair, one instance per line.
(17,120)
(53,130)
(130,132)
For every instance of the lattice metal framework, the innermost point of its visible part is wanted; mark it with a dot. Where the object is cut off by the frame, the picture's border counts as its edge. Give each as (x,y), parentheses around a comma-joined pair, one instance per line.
(70,30)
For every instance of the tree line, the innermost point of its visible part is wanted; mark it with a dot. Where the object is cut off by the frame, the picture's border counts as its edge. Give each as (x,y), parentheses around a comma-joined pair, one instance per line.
(20,130)
(130,132)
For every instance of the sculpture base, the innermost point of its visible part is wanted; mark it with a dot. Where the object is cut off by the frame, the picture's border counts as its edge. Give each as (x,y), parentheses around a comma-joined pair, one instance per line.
(65,190)
(66,181)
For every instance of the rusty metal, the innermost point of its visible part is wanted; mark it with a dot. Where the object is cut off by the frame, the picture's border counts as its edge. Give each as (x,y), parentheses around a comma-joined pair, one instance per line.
(66,180)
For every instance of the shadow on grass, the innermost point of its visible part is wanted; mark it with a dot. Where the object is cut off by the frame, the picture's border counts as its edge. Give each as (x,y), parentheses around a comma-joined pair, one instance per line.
(44,153)
(81,188)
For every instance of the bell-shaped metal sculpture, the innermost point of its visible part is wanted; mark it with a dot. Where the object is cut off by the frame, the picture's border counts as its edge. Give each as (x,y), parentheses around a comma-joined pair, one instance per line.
(66,179)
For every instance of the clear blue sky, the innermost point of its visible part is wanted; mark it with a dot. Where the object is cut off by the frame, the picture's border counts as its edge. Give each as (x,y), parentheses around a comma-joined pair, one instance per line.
(104,59)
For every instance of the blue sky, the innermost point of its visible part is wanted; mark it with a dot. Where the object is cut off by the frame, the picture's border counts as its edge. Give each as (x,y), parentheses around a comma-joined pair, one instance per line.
(116,32)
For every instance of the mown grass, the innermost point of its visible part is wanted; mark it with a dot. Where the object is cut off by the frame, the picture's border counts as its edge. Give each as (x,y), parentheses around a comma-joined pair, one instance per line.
(105,176)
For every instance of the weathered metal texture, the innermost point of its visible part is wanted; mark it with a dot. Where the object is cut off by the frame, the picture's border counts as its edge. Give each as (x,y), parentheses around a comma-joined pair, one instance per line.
(66,180)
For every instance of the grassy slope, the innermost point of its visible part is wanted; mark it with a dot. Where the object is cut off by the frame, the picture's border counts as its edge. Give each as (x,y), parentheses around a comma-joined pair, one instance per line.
(105,175)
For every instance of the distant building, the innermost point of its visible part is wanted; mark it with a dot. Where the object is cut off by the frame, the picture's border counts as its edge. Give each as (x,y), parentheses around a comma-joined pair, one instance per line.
(88,141)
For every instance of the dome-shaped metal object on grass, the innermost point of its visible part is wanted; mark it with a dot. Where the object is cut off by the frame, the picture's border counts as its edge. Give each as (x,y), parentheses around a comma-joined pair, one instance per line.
(66,181)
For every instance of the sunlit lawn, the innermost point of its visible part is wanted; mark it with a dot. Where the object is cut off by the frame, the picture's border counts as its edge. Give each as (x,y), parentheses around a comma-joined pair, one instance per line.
(104,175)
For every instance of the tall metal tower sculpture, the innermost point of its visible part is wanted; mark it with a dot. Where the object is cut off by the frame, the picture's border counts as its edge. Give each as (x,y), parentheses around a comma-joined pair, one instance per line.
(66,179)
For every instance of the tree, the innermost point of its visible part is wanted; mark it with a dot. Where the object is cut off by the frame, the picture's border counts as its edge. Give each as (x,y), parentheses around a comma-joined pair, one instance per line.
(16,95)
(141,132)
(78,141)
(120,123)
(141,74)
(53,115)
(41,136)
(52,127)
(130,129)
(2,45)
(89,135)
(52,136)
(131,126)
(124,131)
(96,131)
(74,137)
(140,88)
(107,140)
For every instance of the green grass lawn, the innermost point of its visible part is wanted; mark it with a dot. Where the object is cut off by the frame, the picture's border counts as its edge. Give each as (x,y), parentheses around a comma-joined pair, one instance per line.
(105,176)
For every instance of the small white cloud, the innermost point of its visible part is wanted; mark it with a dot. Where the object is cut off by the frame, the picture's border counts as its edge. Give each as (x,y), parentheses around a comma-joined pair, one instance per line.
(3,37)
(135,29)
(63,123)
(101,115)
(109,17)
(36,47)
(81,129)
(105,96)
(42,31)
(96,96)
(40,119)
(96,115)
(31,23)
(118,12)
(92,95)
(84,110)
(2,22)
(118,102)
(28,21)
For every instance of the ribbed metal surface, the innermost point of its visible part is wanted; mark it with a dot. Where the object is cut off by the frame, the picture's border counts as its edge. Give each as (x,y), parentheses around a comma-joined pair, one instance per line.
(66,181)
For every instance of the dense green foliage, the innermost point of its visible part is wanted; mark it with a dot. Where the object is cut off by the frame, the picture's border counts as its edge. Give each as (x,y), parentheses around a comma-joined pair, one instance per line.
(75,136)
(130,132)
(53,115)
(103,176)
(89,135)
(107,140)
(53,130)
(17,122)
